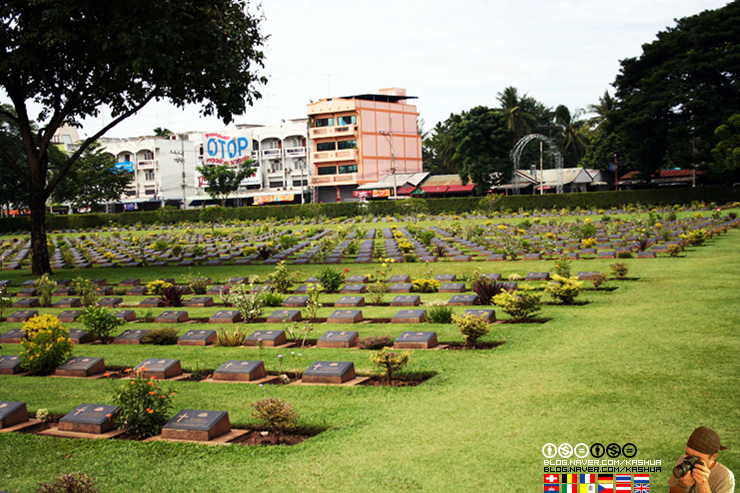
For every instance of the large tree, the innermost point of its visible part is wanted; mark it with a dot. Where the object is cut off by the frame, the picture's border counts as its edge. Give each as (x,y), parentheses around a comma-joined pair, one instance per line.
(223,180)
(438,148)
(683,86)
(483,143)
(73,57)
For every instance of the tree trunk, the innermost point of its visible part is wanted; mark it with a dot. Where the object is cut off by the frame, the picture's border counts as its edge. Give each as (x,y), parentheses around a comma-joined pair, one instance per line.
(39,252)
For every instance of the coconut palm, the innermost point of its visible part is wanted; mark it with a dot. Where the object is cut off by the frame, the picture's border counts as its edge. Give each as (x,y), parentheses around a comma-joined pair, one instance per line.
(573,138)
(518,120)
(606,105)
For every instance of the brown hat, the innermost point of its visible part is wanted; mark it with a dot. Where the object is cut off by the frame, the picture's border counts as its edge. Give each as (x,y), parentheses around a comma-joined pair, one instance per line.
(705,440)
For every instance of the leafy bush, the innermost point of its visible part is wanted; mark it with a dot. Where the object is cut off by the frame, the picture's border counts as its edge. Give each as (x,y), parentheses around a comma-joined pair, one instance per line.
(376,292)
(144,407)
(697,237)
(273,299)
(165,336)
(86,290)
(562,267)
(625,254)
(231,337)
(172,295)
(439,314)
(282,279)
(249,302)
(75,482)
(375,342)
(199,285)
(674,250)
(330,279)
(425,285)
(275,414)
(471,327)
(619,270)
(486,290)
(565,289)
(100,322)
(642,244)
(598,280)
(521,304)
(46,287)
(46,345)
(5,301)
(588,243)
(157,287)
(389,362)
(297,331)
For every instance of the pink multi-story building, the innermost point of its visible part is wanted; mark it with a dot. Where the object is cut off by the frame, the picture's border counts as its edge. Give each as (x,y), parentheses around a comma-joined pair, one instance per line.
(361,139)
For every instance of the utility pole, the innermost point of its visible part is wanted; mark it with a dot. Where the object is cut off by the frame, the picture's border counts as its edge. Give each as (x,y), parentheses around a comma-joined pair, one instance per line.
(180,158)
(393,157)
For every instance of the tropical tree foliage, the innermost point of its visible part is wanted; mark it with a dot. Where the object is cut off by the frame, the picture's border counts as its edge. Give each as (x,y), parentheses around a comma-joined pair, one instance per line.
(224,180)
(74,57)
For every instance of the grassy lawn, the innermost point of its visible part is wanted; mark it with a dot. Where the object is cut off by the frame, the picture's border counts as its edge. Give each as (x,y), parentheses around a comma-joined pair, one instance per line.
(645,363)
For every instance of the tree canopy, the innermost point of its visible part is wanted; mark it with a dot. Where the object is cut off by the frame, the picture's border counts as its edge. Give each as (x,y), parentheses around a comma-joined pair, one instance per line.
(74,57)
(224,180)
(683,86)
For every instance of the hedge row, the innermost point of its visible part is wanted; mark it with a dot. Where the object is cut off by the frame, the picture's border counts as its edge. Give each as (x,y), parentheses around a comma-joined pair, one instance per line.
(589,200)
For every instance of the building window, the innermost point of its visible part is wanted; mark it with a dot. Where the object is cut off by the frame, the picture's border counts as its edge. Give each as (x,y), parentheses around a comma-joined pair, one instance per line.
(149,191)
(326,146)
(347,119)
(347,144)
(148,156)
(149,175)
(327,170)
(350,168)
(325,122)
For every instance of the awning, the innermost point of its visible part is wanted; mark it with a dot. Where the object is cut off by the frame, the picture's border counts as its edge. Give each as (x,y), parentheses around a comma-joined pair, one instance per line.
(461,188)
(435,189)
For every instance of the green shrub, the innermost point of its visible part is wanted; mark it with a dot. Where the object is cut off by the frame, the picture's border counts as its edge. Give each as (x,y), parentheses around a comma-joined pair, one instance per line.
(144,407)
(165,336)
(46,287)
(619,270)
(46,345)
(439,314)
(425,285)
(231,337)
(199,285)
(674,250)
(157,287)
(389,362)
(376,292)
(562,267)
(697,237)
(275,414)
(375,342)
(250,303)
(598,280)
(521,304)
(471,327)
(100,322)
(282,280)
(75,482)
(5,301)
(273,299)
(564,289)
(86,290)
(330,279)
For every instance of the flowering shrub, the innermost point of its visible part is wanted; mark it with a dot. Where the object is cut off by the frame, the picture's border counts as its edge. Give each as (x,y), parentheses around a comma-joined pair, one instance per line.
(46,345)
(522,304)
(588,243)
(145,407)
(250,303)
(564,289)
(46,287)
(157,287)
(100,322)
(471,327)
(425,285)
(86,290)
(275,414)
(330,279)
(282,279)
(620,270)
(389,362)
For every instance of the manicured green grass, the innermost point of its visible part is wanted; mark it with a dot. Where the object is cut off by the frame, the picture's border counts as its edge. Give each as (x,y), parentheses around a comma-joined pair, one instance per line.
(646,364)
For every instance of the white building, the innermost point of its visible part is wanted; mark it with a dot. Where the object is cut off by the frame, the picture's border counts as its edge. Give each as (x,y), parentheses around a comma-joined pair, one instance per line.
(164,168)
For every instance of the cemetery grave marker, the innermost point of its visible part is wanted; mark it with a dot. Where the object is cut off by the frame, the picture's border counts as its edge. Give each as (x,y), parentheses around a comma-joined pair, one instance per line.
(68,303)
(110,302)
(137,291)
(152,302)
(452,287)
(537,276)
(160,368)
(127,315)
(463,300)
(345,317)
(172,317)
(27,303)
(197,425)
(27,292)
(80,366)
(405,287)
(338,339)
(240,371)
(416,340)
(445,277)
(225,317)
(295,301)
(406,300)
(95,419)
(354,288)
(329,372)
(80,336)
(200,301)
(198,338)
(350,301)
(13,336)
(486,314)
(69,316)
(270,338)
(281,316)
(399,279)
(130,336)
(409,317)
(10,364)
(588,276)
(12,413)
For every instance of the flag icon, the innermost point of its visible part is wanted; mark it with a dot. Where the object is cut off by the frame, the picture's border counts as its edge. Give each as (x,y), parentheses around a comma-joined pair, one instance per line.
(606,478)
(552,478)
(570,488)
(586,488)
(587,478)
(623,487)
(623,478)
(552,488)
(642,478)
(606,488)
(641,488)
(570,478)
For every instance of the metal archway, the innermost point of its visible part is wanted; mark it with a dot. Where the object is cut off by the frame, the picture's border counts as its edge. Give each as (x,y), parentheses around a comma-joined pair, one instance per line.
(552,149)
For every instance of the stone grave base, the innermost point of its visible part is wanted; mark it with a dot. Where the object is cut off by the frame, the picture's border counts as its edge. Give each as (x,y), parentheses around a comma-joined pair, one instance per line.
(416,345)
(348,383)
(176,378)
(224,439)
(239,378)
(27,426)
(54,431)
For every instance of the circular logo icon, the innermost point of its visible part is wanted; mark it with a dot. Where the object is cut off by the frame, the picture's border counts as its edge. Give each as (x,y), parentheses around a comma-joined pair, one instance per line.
(549,450)
(597,450)
(581,450)
(565,450)
(613,450)
(629,450)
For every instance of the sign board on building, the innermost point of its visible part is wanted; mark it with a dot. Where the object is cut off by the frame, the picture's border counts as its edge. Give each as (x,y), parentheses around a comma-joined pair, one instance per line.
(230,150)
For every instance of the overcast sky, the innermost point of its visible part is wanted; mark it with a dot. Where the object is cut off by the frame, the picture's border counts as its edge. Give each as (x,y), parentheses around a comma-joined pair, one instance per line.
(451,55)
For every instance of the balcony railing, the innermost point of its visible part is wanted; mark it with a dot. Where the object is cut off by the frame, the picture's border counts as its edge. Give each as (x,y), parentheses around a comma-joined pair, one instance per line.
(147,164)
(345,179)
(295,151)
(272,153)
(335,131)
(328,156)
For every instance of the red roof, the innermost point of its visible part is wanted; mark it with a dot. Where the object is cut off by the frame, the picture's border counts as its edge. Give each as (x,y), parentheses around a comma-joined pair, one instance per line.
(461,188)
(405,190)
(665,173)
(435,189)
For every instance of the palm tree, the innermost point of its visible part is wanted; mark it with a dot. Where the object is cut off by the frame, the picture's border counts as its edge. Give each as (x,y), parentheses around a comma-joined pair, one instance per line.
(573,138)
(518,120)
(606,105)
